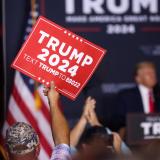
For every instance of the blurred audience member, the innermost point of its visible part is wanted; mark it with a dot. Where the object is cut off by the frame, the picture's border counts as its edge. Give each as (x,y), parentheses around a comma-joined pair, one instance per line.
(78,133)
(22,142)
(144,98)
(96,144)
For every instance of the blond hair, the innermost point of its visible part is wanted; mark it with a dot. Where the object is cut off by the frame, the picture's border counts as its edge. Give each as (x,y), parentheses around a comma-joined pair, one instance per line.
(143,64)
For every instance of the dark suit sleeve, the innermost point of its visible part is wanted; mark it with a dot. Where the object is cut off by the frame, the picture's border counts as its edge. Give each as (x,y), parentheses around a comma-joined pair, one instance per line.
(119,115)
(157,97)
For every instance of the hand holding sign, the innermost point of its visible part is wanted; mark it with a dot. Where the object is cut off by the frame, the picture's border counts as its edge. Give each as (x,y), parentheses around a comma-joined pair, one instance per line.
(52,53)
(51,93)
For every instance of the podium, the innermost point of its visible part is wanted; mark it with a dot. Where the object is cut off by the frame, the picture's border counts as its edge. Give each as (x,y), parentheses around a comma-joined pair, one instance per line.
(142,128)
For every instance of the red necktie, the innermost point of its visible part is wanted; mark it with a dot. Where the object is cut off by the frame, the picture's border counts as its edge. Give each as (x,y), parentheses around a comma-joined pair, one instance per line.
(151,103)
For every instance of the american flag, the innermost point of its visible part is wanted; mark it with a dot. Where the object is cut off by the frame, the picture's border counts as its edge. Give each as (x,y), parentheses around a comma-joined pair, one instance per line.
(28,104)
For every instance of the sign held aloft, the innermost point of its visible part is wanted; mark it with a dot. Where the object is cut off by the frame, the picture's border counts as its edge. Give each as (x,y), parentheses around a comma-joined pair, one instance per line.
(52,53)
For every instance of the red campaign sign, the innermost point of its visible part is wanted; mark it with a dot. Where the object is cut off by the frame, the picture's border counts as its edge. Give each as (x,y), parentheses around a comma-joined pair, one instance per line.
(53,53)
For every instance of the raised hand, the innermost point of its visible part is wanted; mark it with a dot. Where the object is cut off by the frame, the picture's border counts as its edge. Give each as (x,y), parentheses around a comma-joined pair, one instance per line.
(93,119)
(60,129)
(51,93)
(90,104)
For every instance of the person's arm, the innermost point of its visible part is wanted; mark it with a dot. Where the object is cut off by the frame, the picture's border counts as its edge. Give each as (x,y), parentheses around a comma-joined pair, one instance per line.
(79,128)
(93,119)
(77,131)
(117,141)
(60,129)
(122,133)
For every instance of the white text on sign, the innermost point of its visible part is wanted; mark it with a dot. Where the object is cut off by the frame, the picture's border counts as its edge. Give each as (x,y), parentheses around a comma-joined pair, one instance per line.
(53,58)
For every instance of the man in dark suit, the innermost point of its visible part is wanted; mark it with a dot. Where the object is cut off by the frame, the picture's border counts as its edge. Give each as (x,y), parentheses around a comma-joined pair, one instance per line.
(143,98)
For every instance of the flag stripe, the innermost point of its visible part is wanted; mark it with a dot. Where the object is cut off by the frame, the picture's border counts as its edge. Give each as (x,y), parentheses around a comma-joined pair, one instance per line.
(43,155)
(5,126)
(16,112)
(26,97)
(32,121)
(10,119)
(45,112)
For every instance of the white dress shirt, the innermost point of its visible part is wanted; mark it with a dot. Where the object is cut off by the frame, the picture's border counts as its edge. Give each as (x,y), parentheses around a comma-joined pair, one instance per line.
(144,91)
